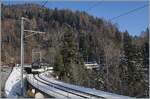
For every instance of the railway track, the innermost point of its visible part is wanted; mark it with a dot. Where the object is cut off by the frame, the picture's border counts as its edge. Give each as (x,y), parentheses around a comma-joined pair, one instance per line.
(50,86)
(66,89)
(72,91)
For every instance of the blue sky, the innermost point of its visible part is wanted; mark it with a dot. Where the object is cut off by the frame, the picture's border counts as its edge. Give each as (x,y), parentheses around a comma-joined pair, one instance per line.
(134,23)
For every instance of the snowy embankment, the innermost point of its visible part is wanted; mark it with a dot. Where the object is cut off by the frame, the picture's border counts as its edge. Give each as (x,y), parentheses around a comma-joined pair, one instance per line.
(13,84)
(106,95)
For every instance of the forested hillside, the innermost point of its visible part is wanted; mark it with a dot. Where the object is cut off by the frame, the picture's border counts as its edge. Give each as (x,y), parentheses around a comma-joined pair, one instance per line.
(73,37)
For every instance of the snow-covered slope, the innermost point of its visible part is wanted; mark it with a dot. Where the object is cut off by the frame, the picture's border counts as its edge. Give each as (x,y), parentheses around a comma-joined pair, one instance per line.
(12,85)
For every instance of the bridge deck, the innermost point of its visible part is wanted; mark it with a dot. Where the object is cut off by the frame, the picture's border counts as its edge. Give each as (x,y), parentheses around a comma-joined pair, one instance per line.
(64,90)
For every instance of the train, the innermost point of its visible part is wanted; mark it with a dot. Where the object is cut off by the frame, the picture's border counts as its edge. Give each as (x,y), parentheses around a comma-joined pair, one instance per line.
(40,66)
(37,67)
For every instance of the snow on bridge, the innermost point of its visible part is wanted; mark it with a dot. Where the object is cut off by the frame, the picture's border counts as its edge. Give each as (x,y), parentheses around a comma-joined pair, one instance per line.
(13,84)
(54,88)
(60,89)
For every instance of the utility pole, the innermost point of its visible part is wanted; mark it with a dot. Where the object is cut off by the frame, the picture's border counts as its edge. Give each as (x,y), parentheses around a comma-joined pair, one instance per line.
(22,49)
(22,54)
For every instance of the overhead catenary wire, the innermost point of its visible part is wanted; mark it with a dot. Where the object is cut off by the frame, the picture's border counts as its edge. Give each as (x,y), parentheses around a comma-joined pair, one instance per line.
(123,14)
(45,3)
(93,6)
(126,13)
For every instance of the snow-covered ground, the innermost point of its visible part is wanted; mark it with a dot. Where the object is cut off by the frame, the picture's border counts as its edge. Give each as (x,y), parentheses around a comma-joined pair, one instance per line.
(84,89)
(62,90)
(57,88)
(13,84)
(51,90)
(5,72)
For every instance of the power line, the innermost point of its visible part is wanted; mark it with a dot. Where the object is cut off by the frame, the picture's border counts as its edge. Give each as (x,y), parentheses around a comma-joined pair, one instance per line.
(123,14)
(90,8)
(45,3)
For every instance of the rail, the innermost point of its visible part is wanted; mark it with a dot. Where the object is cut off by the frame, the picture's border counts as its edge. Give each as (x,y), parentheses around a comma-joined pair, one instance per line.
(71,89)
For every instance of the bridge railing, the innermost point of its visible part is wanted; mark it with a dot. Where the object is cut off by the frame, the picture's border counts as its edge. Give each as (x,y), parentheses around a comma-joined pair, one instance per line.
(35,83)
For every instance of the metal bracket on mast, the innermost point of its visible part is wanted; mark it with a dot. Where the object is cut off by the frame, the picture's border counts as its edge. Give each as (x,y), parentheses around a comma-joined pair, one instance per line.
(22,48)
